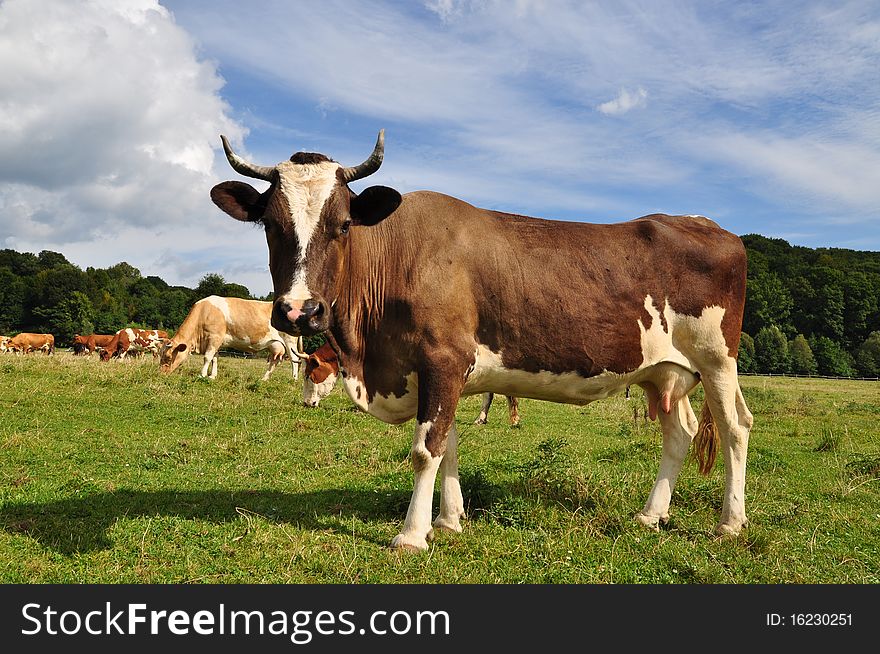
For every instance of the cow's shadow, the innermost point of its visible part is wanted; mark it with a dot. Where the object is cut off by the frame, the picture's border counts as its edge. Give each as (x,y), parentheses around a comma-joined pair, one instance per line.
(81,524)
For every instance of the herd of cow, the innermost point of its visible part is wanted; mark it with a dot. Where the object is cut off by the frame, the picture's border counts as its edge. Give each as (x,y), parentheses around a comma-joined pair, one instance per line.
(424,298)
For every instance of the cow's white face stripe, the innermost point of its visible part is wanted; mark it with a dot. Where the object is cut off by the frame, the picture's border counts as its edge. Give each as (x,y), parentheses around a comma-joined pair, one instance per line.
(306,188)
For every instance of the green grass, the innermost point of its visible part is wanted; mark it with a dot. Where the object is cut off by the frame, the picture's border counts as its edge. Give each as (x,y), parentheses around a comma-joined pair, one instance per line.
(111,473)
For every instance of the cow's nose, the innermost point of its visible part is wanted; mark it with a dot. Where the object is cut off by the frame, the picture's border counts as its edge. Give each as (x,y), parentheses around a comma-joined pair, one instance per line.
(309,317)
(311,308)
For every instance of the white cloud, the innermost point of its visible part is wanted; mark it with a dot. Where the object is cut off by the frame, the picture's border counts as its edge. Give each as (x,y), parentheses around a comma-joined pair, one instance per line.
(445,9)
(837,176)
(625,101)
(111,124)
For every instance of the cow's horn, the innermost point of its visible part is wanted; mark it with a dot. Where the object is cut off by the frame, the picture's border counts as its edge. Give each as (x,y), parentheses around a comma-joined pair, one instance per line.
(243,167)
(371,165)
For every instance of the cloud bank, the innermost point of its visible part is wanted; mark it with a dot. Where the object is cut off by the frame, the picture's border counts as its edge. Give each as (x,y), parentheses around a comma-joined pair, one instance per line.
(110,126)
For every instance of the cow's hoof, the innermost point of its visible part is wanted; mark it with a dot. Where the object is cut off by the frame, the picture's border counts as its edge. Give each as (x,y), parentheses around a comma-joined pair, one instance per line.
(652,522)
(730,529)
(480,421)
(404,543)
(452,525)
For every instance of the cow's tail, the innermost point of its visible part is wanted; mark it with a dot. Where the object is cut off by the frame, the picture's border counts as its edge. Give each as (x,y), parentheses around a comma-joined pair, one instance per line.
(706,441)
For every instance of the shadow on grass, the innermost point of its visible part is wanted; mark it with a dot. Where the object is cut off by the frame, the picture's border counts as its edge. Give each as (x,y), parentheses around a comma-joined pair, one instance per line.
(80,524)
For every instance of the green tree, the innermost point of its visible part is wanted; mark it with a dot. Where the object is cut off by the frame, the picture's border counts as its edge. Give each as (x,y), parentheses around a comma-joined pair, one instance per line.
(49,259)
(868,356)
(771,350)
(72,315)
(22,264)
(860,303)
(829,302)
(211,284)
(12,296)
(802,360)
(236,290)
(768,302)
(746,359)
(831,358)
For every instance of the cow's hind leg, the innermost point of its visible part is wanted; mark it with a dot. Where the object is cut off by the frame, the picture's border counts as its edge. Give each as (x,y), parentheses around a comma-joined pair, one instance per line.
(513,410)
(276,353)
(679,427)
(483,418)
(734,422)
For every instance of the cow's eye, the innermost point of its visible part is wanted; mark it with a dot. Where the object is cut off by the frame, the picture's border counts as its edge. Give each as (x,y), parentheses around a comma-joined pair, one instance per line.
(345,226)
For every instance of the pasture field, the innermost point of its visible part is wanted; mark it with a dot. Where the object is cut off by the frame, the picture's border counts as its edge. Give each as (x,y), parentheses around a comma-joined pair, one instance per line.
(111,473)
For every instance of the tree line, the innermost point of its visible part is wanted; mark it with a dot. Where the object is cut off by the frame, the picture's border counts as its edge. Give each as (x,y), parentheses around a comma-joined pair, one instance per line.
(808,311)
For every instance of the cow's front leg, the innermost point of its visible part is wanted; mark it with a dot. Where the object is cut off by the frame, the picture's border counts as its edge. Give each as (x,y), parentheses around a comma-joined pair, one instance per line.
(430,442)
(208,359)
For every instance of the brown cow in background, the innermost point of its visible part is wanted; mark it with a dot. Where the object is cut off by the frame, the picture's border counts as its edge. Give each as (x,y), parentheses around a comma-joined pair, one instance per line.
(29,342)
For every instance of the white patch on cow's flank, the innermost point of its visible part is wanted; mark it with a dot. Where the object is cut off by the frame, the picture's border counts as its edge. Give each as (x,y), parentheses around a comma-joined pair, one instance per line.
(306,188)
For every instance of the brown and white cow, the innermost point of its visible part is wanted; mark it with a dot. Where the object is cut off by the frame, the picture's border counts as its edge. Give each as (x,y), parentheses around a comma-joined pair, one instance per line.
(320,375)
(91,343)
(132,340)
(216,322)
(426,298)
(29,342)
(4,343)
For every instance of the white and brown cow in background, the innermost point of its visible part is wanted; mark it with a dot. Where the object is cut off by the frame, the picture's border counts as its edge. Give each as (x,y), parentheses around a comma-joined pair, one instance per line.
(512,410)
(133,341)
(425,298)
(4,343)
(320,375)
(27,342)
(218,322)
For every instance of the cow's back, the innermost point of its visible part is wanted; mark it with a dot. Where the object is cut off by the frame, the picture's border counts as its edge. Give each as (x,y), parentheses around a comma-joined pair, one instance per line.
(246,322)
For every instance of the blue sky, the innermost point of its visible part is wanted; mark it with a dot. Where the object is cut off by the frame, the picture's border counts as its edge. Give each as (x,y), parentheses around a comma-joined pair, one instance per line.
(762,116)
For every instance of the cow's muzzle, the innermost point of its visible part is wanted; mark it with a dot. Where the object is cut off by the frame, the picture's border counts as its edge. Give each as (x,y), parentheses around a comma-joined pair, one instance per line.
(305,319)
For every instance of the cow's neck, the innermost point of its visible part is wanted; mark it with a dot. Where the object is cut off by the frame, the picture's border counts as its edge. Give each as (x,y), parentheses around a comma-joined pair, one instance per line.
(372,271)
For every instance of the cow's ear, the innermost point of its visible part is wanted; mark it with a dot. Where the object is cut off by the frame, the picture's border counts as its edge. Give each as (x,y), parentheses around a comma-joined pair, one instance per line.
(181,347)
(373,205)
(241,201)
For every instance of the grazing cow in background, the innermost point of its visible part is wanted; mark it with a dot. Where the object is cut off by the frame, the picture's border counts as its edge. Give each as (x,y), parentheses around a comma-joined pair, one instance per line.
(4,340)
(132,340)
(319,377)
(322,370)
(512,410)
(215,322)
(28,342)
(90,343)
(425,298)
